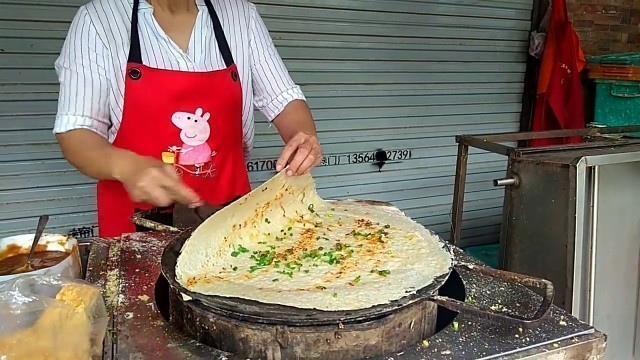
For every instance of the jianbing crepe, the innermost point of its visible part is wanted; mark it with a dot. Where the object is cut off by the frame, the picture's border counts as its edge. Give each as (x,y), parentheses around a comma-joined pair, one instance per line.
(283,244)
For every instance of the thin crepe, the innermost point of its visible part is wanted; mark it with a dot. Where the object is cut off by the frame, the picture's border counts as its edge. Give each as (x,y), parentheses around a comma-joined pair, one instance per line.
(283,244)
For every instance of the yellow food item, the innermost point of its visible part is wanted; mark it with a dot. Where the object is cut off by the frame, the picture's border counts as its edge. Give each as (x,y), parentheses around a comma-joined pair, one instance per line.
(168,157)
(63,331)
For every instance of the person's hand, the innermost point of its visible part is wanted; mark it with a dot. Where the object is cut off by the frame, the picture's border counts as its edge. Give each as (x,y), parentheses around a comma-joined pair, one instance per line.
(152,182)
(302,153)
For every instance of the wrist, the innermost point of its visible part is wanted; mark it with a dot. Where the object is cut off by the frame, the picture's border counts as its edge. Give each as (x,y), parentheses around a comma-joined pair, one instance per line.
(123,163)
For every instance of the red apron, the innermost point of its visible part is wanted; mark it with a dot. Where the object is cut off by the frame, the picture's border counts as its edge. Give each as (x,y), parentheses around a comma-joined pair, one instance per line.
(192,120)
(560,103)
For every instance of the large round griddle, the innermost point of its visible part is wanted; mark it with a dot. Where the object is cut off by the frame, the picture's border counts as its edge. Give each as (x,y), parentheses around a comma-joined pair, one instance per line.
(265,313)
(259,312)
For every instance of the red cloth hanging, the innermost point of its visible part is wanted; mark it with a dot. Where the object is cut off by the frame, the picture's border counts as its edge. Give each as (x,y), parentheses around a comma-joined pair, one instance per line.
(559,102)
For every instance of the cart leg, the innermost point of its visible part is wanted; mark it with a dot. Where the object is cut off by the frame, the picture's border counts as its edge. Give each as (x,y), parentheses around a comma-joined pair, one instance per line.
(458,193)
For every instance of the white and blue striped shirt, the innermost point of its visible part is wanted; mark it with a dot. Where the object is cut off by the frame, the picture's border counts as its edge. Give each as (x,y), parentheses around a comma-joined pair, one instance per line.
(93,59)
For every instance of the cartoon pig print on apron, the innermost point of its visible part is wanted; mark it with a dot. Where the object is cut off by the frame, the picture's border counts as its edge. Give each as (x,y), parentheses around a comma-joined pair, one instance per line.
(194,133)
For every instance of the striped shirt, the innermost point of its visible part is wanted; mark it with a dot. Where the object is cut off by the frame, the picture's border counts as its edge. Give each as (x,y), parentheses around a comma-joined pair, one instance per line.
(92,62)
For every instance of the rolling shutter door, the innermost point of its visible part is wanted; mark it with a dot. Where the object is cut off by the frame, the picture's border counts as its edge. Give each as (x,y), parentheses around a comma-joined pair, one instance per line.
(401,76)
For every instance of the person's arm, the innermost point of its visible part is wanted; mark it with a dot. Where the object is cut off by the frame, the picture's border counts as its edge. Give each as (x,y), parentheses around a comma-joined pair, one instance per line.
(82,123)
(94,156)
(282,102)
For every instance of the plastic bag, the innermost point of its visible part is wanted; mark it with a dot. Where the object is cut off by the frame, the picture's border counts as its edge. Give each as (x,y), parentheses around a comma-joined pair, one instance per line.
(536,44)
(538,38)
(50,317)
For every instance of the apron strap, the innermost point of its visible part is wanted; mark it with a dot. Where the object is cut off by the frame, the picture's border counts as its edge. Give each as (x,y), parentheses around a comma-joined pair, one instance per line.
(223,45)
(135,55)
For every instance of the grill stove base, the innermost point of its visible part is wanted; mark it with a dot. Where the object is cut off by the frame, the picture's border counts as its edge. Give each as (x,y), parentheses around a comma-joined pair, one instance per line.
(127,270)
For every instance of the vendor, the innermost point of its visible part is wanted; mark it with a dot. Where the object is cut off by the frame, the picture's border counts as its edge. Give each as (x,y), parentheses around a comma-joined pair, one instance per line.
(157,99)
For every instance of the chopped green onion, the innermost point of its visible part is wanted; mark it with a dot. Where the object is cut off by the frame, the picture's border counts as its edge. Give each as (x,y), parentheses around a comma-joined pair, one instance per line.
(264,258)
(287,272)
(293,265)
(313,254)
(383,272)
(330,258)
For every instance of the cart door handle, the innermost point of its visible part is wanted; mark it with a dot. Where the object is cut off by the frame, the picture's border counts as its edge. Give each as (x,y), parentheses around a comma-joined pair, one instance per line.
(625,91)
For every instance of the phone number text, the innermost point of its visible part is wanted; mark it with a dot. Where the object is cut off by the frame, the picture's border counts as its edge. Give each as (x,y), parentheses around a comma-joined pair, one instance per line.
(341,159)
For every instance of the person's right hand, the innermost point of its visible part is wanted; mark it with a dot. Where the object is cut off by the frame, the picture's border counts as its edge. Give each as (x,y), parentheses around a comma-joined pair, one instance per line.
(152,182)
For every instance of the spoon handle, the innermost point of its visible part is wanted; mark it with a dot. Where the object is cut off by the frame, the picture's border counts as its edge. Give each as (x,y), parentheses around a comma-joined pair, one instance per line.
(42,223)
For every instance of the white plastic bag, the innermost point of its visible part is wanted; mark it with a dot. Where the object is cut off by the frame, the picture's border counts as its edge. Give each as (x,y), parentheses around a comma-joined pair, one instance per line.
(51,318)
(538,38)
(536,44)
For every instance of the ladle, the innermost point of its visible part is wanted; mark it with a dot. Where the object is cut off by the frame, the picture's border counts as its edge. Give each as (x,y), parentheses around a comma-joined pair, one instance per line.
(42,223)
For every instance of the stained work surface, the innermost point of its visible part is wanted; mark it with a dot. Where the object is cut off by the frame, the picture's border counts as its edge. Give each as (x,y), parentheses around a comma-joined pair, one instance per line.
(127,271)
(128,268)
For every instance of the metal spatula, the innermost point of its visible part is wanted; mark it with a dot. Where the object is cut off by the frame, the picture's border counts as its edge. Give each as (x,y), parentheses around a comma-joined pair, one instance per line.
(42,223)
(186,217)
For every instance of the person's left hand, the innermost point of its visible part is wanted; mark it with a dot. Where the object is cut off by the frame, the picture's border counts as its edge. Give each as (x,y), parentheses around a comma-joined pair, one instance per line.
(302,153)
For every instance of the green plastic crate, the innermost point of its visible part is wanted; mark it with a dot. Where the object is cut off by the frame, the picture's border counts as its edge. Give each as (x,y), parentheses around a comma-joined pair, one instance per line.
(625,59)
(617,103)
(488,254)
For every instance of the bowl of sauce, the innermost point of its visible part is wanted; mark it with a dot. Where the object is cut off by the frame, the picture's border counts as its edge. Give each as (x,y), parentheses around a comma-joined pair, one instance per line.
(55,255)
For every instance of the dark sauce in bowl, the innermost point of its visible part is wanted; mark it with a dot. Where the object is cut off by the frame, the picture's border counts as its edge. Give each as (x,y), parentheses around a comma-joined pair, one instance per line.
(41,260)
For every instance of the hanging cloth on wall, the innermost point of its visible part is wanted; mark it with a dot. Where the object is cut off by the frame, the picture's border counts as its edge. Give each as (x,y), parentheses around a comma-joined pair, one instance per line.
(560,100)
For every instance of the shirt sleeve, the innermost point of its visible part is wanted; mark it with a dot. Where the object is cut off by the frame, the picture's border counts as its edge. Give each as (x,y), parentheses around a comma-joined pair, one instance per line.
(83,101)
(273,87)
